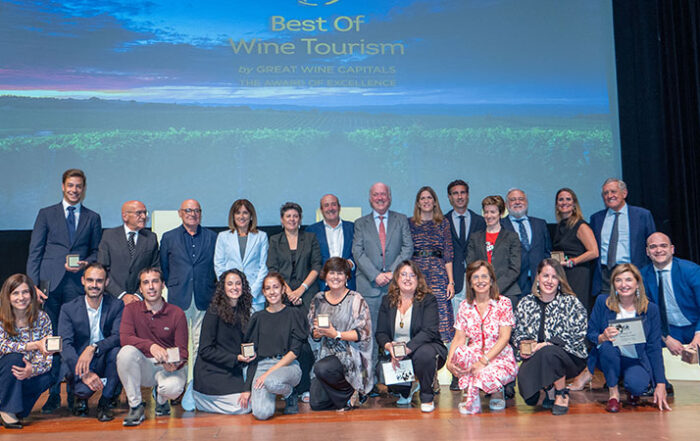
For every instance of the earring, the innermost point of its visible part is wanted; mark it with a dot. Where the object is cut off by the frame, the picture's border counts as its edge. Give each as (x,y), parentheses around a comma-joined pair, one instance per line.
(637,293)
(559,289)
(538,287)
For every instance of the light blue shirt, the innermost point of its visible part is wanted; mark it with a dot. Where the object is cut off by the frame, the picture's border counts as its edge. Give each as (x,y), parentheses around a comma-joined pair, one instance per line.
(623,238)
(467,221)
(516,227)
(376,220)
(76,213)
(94,316)
(673,312)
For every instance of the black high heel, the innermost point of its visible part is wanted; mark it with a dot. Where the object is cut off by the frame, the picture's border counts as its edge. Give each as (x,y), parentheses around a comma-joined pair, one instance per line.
(557,409)
(16,425)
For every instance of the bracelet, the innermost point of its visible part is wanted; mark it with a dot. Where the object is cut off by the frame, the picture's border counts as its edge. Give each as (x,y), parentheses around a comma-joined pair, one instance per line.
(487,360)
(306,287)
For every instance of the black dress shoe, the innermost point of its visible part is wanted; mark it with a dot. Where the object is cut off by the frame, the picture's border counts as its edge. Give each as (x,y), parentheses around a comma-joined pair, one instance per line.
(454,384)
(53,402)
(509,391)
(16,425)
(669,389)
(80,407)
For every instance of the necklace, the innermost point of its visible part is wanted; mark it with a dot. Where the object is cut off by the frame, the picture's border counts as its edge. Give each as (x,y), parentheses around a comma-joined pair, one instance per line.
(402,315)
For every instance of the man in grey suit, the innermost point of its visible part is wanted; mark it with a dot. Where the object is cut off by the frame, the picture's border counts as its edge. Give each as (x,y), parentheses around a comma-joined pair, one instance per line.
(127,249)
(382,240)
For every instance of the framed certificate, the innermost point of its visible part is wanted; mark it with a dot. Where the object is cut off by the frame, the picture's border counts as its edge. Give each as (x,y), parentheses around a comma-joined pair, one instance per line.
(324,320)
(72,260)
(173,355)
(54,344)
(690,355)
(399,349)
(631,331)
(527,347)
(248,350)
(559,256)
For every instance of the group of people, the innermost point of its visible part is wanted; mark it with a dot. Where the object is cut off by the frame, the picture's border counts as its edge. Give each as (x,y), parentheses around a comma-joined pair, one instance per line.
(315,314)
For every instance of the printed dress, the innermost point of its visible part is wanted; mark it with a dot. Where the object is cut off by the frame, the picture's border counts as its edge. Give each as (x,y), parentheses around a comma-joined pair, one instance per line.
(432,249)
(482,334)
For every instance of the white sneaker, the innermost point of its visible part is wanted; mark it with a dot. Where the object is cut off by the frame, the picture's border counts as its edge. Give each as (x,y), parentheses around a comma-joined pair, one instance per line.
(427,407)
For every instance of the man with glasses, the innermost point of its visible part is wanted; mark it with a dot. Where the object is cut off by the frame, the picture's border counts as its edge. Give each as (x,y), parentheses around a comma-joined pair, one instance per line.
(127,249)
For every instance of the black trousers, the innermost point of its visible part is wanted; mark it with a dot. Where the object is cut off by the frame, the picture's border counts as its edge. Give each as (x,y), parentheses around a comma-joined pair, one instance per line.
(426,362)
(330,389)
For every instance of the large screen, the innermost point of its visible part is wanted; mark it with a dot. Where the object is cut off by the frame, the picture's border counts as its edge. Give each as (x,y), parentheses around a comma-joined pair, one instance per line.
(286,100)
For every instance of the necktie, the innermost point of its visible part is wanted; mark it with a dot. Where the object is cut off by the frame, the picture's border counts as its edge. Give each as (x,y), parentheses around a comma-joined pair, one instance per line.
(462,228)
(70,223)
(524,239)
(662,303)
(132,243)
(612,243)
(382,239)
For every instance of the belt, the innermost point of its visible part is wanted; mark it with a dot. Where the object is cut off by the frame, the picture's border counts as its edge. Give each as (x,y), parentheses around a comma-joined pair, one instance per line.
(427,253)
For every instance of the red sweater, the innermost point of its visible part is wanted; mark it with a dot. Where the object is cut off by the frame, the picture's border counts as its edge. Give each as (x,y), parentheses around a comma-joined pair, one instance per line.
(166,328)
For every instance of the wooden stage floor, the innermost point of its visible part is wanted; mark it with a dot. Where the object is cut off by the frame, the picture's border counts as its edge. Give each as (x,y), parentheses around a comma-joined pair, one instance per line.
(380,419)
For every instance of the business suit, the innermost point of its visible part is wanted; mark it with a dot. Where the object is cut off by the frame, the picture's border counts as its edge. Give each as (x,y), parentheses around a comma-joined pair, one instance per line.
(641,226)
(319,229)
(74,328)
(123,270)
(307,258)
(428,353)
(459,246)
(685,278)
(227,255)
(638,373)
(505,260)
(540,248)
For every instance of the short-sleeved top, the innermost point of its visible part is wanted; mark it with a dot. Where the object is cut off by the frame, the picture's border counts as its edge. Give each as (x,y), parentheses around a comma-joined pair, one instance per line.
(483,331)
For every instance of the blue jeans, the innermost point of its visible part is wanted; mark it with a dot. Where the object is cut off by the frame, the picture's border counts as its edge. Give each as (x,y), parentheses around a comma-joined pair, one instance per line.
(280,382)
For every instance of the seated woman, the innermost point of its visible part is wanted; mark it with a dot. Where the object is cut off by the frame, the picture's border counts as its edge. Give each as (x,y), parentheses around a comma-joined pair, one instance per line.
(409,314)
(555,319)
(243,247)
(278,333)
(499,247)
(641,365)
(480,355)
(25,364)
(219,386)
(343,350)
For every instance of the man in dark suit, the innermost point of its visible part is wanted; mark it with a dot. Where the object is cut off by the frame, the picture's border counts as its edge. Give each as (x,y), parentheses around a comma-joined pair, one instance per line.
(535,242)
(187,262)
(126,250)
(67,228)
(89,327)
(621,231)
(334,235)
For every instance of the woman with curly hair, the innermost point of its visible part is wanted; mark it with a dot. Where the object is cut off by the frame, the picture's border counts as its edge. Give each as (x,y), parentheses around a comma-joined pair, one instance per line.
(409,315)
(219,386)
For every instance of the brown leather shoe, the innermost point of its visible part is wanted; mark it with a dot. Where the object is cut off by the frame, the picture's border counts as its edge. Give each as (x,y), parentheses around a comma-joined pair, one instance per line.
(613,405)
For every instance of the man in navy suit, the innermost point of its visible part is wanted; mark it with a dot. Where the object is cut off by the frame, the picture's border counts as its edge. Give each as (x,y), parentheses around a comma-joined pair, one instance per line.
(334,235)
(89,326)
(62,229)
(535,243)
(621,231)
(679,296)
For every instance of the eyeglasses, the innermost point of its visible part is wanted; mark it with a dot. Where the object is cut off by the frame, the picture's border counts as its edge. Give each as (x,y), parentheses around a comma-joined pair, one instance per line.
(654,246)
(408,275)
(191,210)
(139,213)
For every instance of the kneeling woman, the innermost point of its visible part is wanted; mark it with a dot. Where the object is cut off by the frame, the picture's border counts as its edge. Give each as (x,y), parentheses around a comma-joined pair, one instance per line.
(278,333)
(480,355)
(219,386)
(409,314)
(343,350)
(639,364)
(555,319)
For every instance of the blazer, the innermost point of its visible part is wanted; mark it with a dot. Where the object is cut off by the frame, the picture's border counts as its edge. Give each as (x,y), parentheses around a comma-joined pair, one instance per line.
(459,260)
(424,325)
(185,275)
(308,258)
(74,328)
(367,250)
(49,243)
(123,270)
(505,258)
(227,255)
(650,355)
(319,229)
(540,248)
(641,225)
(685,277)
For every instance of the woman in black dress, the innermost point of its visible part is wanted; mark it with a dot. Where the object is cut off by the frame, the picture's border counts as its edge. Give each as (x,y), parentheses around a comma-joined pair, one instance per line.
(575,239)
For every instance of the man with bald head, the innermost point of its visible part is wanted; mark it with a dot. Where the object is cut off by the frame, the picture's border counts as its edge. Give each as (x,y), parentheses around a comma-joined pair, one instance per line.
(127,249)
(334,235)
(674,285)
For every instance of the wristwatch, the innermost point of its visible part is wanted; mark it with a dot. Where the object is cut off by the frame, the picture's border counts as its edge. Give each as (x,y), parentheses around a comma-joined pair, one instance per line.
(338,337)
(94,346)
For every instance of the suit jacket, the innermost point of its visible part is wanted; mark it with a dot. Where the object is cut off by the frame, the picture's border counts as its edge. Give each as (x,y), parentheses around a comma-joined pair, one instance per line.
(424,325)
(74,328)
(459,261)
(185,275)
(308,258)
(685,277)
(505,258)
(227,255)
(540,248)
(49,244)
(123,270)
(367,250)
(319,229)
(641,225)
(649,353)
